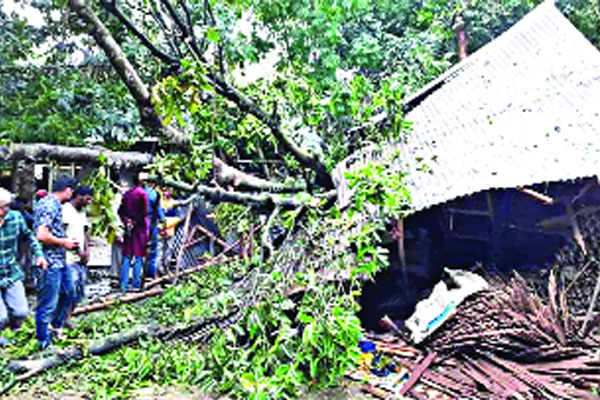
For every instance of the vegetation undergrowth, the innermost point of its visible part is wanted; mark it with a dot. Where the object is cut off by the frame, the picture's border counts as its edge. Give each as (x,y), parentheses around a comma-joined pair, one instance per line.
(298,329)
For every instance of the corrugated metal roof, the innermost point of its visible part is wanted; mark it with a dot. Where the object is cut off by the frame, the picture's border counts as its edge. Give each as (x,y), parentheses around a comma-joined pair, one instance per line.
(522,110)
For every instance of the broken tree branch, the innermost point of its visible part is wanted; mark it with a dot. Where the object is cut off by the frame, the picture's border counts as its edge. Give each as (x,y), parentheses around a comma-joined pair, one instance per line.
(228,176)
(45,152)
(108,302)
(217,194)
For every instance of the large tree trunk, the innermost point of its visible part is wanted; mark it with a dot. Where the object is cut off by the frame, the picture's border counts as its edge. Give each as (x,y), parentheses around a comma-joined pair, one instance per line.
(150,119)
(23,184)
(31,152)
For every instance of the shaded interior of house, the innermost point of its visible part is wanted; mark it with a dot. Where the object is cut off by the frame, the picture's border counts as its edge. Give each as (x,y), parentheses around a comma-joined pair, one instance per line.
(493,233)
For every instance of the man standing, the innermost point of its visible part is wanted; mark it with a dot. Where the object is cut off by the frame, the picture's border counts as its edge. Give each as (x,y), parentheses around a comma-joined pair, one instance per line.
(55,284)
(13,303)
(76,225)
(116,257)
(157,215)
(134,214)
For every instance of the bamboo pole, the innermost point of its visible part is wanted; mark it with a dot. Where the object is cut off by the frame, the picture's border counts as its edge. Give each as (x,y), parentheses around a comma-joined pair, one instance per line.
(184,240)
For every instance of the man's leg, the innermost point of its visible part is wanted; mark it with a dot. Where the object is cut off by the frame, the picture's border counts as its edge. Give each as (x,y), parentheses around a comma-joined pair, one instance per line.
(153,252)
(138,266)
(48,287)
(77,277)
(115,260)
(16,303)
(65,298)
(125,273)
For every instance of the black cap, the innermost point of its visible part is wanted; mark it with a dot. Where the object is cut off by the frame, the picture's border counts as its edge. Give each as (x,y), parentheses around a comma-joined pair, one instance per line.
(84,191)
(63,182)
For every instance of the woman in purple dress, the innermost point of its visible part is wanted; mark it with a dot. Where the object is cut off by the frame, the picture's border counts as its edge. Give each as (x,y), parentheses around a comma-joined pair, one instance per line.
(134,215)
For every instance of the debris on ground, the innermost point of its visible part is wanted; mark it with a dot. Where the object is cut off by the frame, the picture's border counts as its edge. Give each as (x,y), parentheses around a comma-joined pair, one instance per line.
(501,343)
(433,311)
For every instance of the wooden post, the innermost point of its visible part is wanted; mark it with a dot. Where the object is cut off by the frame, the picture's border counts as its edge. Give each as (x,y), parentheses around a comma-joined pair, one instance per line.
(495,251)
(400,240)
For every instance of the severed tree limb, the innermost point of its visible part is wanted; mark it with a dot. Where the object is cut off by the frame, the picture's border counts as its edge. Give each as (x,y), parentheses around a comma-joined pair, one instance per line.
(45,152)
(217,194)
(228,176)
(305,157)
(150,119)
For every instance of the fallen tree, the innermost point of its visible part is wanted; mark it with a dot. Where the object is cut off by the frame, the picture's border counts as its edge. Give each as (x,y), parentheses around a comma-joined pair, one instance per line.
(42,152)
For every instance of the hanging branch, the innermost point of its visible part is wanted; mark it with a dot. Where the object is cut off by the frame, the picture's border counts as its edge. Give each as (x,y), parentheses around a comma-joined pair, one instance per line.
(213,21)
(128,74)
(168,33)
(247,105)
(111,7)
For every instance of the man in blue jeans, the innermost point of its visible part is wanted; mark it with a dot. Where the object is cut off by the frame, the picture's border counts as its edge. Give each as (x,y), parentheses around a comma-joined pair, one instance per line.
(13,302)
(55,284)
(157,216)
(76,227)
(133,212)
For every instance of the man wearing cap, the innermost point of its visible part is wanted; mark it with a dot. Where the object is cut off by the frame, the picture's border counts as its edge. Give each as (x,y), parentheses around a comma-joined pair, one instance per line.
(13,303)
(55,284)
(157,216)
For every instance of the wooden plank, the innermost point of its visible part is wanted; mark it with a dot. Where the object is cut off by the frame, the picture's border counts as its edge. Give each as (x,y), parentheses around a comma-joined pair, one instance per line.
(472,213)
(417,372)
(462,236)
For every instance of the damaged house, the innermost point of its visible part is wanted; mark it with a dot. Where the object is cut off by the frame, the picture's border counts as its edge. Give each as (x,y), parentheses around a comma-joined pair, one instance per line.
(502,160)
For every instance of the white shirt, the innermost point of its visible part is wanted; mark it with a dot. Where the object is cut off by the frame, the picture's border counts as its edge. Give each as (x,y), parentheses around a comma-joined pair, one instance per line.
(75,224)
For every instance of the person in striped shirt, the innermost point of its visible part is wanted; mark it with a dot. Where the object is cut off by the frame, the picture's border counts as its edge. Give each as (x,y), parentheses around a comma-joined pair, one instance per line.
(13,302)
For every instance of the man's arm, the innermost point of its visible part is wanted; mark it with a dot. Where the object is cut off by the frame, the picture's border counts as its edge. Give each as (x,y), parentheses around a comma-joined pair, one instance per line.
(44,235)
(36,248)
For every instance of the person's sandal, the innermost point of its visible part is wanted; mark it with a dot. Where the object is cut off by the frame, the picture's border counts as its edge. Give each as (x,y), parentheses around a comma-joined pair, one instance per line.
(57,333)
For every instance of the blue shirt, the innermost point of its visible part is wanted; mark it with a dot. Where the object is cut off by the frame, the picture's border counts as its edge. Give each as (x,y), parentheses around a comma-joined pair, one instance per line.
(155,211)
(48,213)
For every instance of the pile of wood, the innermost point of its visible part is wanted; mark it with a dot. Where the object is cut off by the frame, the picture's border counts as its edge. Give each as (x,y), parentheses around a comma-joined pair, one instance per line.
(506,343)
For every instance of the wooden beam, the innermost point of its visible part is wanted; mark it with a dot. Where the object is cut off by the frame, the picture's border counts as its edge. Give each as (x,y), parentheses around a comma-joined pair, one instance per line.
(537,195)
